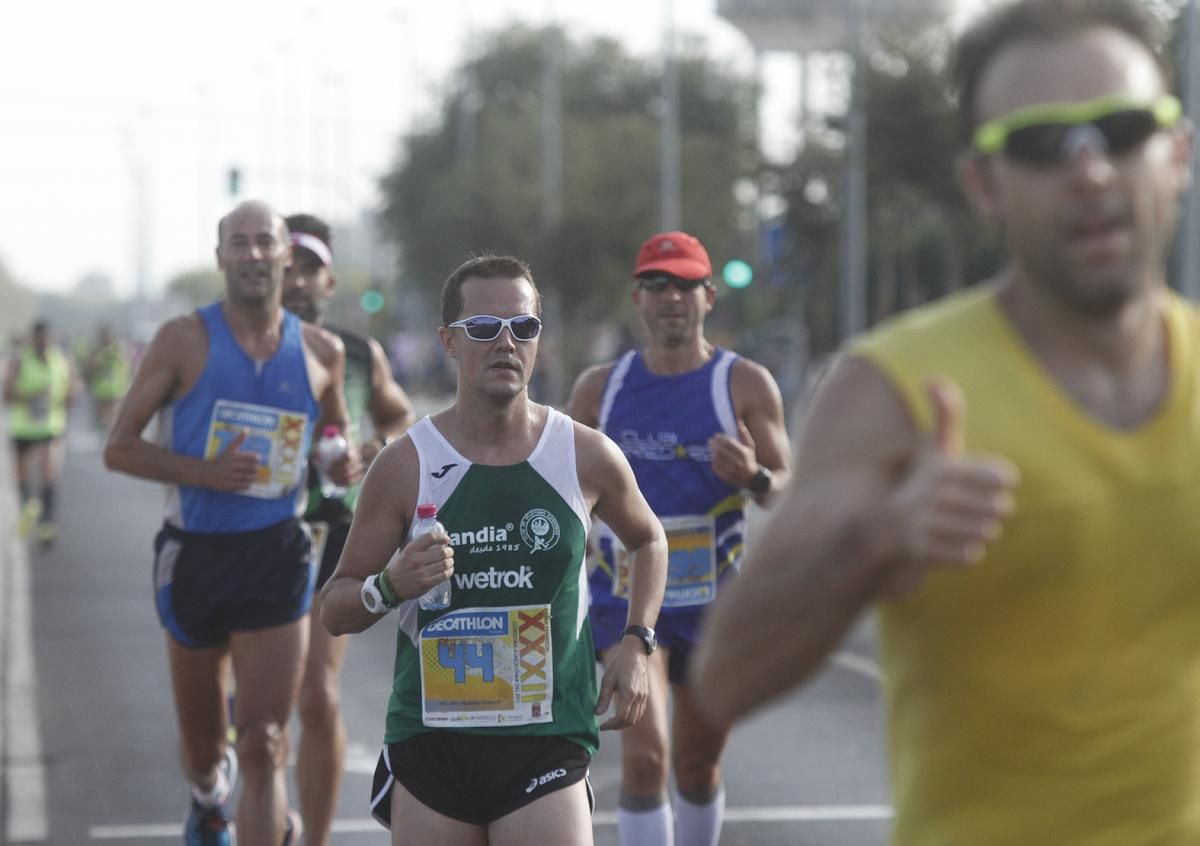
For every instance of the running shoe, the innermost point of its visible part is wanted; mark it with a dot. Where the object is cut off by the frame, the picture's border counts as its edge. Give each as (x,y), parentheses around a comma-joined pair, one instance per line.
(206,827)
(210,826)
(31,510)
(46,533)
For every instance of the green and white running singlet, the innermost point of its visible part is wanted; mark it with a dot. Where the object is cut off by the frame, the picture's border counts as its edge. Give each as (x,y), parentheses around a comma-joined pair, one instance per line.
(512,654)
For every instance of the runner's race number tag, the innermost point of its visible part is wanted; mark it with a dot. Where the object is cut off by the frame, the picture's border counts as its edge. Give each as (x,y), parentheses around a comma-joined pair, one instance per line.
(275,436)
(487,667)
(691,565)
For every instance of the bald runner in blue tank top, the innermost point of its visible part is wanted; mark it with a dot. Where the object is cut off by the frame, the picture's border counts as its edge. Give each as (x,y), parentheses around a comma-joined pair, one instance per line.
(238,561)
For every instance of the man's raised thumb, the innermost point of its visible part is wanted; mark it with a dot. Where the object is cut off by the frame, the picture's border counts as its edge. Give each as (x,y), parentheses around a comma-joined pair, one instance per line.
(948,415)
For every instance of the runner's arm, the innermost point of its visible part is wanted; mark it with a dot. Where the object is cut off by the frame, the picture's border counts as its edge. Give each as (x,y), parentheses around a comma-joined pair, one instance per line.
(761,442)
(854,521)
(390,408)
(155,384)
(609,483)
(325,350)
(584,402)
(10,378)
(377,543)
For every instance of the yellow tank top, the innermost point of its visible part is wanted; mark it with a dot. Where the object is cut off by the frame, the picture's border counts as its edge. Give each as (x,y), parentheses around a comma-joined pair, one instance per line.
(1051,694)
(42,389)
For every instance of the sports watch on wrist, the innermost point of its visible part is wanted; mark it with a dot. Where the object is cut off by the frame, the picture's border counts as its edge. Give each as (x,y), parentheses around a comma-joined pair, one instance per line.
(761,483)
(645,635)
(372,596)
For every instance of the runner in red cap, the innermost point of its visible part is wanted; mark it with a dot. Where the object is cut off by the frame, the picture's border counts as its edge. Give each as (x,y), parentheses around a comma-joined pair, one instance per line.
(703,429)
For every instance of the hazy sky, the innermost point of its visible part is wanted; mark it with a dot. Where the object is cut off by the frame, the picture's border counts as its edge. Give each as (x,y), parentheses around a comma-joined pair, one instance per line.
(106,103)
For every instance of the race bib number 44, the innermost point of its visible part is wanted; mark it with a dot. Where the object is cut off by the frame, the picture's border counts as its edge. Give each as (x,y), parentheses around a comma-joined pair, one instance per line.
(274,436)
(487,667)
(691,562)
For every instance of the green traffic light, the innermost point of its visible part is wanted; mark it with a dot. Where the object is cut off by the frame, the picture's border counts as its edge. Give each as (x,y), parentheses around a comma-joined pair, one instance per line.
(737,273)
(371,301)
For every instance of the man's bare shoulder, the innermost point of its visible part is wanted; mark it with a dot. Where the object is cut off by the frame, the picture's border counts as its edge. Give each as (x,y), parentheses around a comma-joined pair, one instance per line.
(750,377)
(592,445)
(325,345)
(179,338)
(584,403)
(857,417)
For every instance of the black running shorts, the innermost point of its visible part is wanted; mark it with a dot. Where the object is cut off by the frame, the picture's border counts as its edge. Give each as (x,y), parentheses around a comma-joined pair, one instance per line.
(209,585)
(477,779)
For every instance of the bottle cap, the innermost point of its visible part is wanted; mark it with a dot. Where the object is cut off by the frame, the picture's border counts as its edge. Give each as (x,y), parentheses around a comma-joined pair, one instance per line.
(330,431)
(427,509)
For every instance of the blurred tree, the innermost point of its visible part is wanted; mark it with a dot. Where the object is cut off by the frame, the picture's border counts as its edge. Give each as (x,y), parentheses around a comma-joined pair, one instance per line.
(472,181)
(924,240)
(196,287)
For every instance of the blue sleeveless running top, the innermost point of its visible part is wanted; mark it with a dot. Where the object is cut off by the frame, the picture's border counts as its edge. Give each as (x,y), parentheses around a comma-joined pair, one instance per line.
(662,424)
(272,400)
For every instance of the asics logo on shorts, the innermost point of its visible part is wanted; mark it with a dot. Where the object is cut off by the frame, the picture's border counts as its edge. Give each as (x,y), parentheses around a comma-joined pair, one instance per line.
(541,780)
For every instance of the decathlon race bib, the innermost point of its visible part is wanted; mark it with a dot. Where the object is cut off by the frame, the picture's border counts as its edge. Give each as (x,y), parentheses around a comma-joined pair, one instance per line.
(487,667)
(275,436)
(691,562)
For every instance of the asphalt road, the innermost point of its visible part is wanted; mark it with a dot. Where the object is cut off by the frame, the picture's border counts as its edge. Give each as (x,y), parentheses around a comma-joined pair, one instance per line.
(88,734)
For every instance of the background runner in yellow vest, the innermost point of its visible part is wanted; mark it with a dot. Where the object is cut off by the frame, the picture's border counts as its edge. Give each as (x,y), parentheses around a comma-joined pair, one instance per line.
(106,370)
(39,387)
(1043,684)
(373,396)
(492,719)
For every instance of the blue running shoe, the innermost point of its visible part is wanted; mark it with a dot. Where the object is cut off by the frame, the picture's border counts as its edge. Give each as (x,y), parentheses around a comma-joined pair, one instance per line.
(206,827)
(210,826)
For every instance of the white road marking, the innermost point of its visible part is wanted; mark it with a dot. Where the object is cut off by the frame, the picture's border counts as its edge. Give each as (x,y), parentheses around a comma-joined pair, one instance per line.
(20,735)
(764,814)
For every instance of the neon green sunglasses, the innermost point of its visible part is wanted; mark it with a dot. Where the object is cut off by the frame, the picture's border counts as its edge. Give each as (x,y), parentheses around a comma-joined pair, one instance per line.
(1049,133)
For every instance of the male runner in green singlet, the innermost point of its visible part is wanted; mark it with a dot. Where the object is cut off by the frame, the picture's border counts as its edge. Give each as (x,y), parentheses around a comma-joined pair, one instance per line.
(371,393)
(492,719)
(1050,691)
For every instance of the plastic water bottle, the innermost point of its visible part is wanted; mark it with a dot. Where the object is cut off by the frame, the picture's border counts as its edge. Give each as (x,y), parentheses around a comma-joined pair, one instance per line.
(329,448)
(438,596)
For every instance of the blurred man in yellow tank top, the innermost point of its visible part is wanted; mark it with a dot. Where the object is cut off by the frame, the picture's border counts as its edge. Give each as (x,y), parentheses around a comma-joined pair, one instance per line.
(1012,474)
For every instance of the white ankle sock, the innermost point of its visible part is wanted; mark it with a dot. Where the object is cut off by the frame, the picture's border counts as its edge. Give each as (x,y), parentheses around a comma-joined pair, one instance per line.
(699,825)
(645,828)
(217,796)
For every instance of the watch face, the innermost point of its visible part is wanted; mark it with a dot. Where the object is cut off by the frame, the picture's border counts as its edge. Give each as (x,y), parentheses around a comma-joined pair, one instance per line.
(372,599)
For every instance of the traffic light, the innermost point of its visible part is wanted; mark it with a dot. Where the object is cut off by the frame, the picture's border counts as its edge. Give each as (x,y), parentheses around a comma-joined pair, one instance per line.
(371,301)
(737,273)
(235,182)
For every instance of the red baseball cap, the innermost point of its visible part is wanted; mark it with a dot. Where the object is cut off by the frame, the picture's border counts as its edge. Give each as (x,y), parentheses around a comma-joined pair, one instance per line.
(676,253)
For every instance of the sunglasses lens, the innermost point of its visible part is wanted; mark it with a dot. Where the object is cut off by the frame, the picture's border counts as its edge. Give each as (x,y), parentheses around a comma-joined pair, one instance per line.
(658,284)
(525,328)
(1125,130)
(1044,143)
(1040,143)
(483,328)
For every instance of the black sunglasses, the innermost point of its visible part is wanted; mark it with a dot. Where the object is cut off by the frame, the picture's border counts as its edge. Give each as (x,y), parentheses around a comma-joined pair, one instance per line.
(658,284)
(1052,133)
(487,327)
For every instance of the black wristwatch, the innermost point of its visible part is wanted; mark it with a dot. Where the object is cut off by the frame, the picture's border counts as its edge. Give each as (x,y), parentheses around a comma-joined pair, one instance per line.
(761,483)
(645,635)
